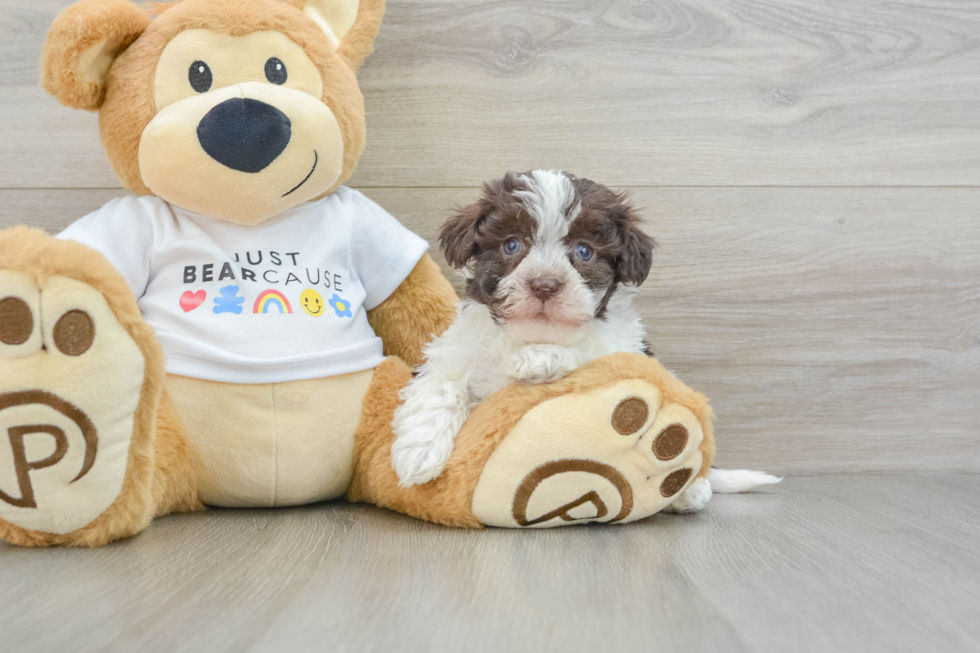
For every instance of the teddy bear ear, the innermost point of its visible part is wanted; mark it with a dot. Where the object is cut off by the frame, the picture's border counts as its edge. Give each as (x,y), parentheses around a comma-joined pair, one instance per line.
(350,25)
(81,46)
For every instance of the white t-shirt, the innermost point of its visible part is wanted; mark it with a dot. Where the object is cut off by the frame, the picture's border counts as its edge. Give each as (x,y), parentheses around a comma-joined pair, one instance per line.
(279,301)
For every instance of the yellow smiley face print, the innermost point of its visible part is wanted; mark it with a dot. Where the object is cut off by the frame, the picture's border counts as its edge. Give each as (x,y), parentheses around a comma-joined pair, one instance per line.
(312,303)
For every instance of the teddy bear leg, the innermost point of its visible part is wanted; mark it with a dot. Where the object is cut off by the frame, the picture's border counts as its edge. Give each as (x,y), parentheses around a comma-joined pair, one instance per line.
(616,441)
(443,500)
(175,486)
(82,461)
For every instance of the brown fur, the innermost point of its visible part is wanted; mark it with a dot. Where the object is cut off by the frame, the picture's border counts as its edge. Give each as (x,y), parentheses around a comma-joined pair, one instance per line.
(75,30)
(359,42)
(423,306)
(607,222)
(614,227)
(475,235)
(174,485)
(129,93)
(32,252)
(449,498)
(357,45)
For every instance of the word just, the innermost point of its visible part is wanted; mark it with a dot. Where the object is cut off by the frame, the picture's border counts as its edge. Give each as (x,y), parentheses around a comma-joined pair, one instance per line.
(274,275)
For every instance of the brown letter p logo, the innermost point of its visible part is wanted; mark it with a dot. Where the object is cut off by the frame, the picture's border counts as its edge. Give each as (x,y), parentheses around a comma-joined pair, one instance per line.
(22,465)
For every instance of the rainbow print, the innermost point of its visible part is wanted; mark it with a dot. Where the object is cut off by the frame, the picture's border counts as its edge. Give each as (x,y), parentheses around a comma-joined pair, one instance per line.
(268,299)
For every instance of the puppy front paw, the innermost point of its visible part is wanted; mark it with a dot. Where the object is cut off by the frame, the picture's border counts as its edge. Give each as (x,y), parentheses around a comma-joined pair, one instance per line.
(425,427)
(692,499)
(540,364)
(418,461)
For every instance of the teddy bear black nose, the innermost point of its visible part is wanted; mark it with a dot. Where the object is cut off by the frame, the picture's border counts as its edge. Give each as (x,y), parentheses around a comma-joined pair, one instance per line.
(244,134)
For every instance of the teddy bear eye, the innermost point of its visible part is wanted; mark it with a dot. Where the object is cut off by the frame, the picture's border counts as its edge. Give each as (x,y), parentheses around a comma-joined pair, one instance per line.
(275,71)
(200,77)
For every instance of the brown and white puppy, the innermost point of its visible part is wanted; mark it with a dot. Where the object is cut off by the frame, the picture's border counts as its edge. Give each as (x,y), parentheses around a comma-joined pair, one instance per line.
(548,259)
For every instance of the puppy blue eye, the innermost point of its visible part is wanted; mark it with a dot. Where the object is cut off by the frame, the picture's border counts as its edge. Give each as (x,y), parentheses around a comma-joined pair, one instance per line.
(512,246)
(584,252)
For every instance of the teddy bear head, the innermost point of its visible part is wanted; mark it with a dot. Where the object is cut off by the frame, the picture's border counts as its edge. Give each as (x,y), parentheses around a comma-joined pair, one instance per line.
(235,109)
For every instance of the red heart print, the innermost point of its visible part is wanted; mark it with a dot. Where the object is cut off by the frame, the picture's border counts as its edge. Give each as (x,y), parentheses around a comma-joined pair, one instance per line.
(191,300)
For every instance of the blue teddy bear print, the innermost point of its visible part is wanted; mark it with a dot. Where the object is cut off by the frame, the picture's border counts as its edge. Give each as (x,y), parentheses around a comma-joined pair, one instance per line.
(228,301)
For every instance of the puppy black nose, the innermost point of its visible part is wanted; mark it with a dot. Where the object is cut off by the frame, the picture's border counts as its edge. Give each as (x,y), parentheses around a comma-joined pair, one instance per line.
(244,134)
(544,288)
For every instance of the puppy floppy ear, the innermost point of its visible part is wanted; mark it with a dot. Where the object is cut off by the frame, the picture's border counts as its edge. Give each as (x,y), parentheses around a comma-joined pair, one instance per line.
(82,44)
(457,239)
(350,25)
(636,257)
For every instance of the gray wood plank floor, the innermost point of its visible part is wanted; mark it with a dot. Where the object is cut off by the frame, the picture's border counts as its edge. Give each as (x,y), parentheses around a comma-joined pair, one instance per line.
(832,563)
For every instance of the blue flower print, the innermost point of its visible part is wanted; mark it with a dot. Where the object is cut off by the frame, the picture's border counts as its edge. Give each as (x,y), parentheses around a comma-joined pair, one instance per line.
(340,307)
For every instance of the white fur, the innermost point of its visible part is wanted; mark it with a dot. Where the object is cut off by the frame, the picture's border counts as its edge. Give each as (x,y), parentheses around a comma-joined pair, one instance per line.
(734,481)
(549,199)
(694,497)
(719,481)
(476,357)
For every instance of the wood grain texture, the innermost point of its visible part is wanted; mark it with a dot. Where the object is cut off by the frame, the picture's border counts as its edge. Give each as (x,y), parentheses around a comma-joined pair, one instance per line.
(833,329)
(630,92)
(815,564)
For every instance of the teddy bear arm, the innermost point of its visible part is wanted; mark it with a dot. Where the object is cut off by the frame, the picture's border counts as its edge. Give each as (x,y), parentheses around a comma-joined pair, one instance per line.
(421,308)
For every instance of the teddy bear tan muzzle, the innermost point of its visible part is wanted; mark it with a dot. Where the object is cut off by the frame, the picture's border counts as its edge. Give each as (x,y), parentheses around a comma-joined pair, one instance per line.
(242,153)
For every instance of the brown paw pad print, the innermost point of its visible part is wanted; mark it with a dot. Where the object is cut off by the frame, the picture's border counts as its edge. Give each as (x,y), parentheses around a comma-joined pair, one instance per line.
(630,415)
(16,321)
(671,442)
(74,333)
(675,481)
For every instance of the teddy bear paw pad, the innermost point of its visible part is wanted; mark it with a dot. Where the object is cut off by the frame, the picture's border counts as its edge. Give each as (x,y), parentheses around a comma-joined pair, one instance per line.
(614,454)
(70,382)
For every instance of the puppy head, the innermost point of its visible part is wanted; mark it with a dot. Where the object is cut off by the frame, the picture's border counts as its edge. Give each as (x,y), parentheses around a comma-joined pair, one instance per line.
(545,251)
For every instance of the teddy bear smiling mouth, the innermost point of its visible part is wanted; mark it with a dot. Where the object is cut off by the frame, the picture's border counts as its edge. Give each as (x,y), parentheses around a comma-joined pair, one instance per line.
(316,158)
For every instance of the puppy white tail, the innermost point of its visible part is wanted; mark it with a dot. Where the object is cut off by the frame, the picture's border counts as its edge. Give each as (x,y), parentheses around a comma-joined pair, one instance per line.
(734,481)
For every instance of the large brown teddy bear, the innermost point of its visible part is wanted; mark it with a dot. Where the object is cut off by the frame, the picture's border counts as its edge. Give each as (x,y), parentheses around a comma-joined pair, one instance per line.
(237,335)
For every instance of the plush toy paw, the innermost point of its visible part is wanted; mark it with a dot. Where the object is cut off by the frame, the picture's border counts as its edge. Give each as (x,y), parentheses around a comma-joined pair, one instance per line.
(70,383)
(693,499)
(617,453)
(540,364)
